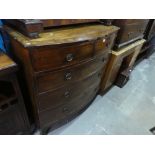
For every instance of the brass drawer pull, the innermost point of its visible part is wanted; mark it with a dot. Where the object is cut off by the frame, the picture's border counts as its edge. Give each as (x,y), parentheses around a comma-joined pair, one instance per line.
(68,76)
(65,109)
(67,94)
(129,34)
(69,57)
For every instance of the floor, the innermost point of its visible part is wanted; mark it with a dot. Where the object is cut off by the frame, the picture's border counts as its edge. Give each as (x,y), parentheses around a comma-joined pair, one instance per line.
(129,110)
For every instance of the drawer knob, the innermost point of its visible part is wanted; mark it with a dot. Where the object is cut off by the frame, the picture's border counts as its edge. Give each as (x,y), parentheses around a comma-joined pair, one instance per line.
(129,34)
(69,57)
(65,109)
(68,76)
(67,94)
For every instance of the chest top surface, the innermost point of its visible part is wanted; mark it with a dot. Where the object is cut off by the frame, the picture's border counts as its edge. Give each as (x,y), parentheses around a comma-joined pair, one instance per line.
(64,35)
(6,63)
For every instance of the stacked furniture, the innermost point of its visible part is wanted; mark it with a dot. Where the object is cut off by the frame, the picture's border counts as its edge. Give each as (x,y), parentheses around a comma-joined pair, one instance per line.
(13,116)
(63,68)
(127,46)
(148,47)
(121,61)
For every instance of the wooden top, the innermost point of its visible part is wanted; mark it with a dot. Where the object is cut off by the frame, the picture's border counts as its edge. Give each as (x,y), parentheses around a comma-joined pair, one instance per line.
(64,35)
(126,48)
(6,64)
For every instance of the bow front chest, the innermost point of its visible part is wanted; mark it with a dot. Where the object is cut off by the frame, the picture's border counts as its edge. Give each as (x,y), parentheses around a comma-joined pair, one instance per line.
(63,69)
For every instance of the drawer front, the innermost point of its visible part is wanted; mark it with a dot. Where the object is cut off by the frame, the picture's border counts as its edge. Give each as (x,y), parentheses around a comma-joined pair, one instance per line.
(52,116)
(69,93)
(54,57)
(123,22)
(131,32)
(52,80)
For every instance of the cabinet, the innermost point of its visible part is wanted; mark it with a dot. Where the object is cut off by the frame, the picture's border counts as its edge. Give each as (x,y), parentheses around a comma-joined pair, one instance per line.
(63,69)
(13,116)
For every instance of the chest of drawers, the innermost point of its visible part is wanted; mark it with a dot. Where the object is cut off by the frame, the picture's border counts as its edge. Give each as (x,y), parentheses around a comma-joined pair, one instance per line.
(13,116)
(63,69)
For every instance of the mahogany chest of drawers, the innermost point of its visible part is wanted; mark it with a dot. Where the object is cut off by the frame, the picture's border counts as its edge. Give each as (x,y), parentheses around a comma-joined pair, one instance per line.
(13,116)
(63,69)
(130,30)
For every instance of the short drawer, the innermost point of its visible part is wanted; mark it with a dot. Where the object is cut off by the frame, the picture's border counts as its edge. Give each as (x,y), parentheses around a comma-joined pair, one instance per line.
(69,93)
(51,80)
(59,56)
(52,116)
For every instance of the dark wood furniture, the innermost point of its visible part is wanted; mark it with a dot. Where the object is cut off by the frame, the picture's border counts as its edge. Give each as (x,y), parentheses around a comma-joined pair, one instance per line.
(149,45)
(13,116)
(130,31)
(32,27)
(150,30)
(63,69)
(120,65)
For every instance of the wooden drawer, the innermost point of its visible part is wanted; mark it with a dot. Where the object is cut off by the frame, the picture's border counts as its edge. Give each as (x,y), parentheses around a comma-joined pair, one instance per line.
(52,116)
(69,93)
(131,32)
(54,57)
(52,80)
(123,22)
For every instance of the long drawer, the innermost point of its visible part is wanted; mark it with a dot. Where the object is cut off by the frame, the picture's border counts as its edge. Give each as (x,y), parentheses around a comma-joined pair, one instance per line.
(51,80)
(69,93)
(53,116)
(59,56)
(123,22)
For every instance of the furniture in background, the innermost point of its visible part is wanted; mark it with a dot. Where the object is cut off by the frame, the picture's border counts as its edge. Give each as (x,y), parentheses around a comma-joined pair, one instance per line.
(130,31)
(148,47)
(120,66)
(13,116)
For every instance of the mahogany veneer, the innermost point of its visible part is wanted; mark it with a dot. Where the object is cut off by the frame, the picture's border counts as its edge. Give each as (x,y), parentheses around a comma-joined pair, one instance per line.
(63,69)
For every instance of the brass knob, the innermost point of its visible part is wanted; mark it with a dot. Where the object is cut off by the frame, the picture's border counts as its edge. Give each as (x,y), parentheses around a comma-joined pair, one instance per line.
(68,76)
(129,34)
(69,57)
(67,94)
(65,109)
